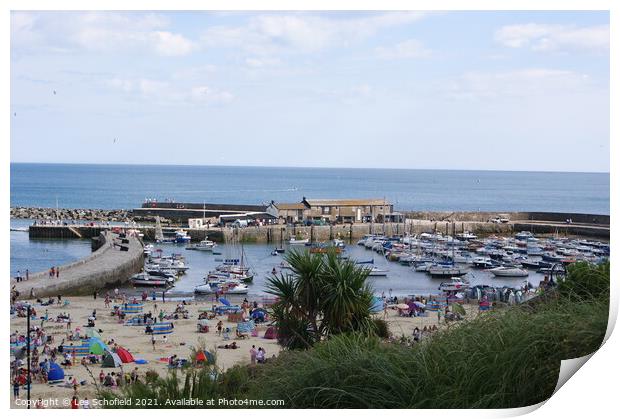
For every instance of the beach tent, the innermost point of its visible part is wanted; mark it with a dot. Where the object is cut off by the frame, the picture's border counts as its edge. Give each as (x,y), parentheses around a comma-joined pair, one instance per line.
(124,355)
(55,374)
(246,327)
(111,360)
(259,314)
(96,346)
(91,332)
(270,333)
(377,305)
(205,356)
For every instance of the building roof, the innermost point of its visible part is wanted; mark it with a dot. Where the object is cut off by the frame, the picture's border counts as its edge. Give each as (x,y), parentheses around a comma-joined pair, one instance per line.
(291,206)
(345,202)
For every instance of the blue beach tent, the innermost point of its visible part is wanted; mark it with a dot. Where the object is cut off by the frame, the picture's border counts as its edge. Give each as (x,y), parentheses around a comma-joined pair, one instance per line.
(55,374)
(224,301)
(246,327)
(377,305)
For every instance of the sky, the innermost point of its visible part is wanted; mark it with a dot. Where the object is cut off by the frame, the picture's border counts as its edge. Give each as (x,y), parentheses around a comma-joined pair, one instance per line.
(418,90)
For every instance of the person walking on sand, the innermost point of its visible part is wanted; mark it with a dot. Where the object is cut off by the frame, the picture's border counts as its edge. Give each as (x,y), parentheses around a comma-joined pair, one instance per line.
(57,271)
(253,353)
(153,341)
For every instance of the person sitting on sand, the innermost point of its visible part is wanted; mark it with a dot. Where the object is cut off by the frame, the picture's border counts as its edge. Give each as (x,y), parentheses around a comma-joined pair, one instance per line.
(241,335)
(227,346)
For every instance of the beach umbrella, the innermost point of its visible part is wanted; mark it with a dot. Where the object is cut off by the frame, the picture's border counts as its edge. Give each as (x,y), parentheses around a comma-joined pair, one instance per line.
(402,306)
(458,308)
(224,301)
(419,304)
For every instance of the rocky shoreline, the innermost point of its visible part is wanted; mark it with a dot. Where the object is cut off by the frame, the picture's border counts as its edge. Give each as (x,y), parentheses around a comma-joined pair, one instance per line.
(78,214)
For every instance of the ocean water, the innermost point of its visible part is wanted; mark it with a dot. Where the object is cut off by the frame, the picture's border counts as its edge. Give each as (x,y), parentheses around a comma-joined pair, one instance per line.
(126,186)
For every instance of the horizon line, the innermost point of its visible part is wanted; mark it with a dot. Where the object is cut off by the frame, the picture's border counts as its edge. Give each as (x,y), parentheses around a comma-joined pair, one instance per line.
(307,167)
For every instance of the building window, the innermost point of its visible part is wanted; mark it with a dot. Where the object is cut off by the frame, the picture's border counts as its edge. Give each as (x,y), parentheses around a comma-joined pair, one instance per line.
(325,210)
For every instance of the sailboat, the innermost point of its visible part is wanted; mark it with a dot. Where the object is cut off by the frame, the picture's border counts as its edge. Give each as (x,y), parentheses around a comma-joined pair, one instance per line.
(159,233)
(235,267)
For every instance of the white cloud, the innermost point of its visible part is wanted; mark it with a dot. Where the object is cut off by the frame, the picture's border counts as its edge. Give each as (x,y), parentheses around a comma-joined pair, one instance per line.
(531,82)
(542,37)
(167,93)
(411,48)
(274,33)
(96,31)
(170,44)
(255,62)
(207,94)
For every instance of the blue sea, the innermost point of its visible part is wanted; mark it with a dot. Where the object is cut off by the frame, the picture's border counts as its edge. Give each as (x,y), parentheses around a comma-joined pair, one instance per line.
(127,186)
(122,186)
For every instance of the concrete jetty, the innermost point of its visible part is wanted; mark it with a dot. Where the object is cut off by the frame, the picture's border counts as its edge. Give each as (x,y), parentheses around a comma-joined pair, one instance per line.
(109,264)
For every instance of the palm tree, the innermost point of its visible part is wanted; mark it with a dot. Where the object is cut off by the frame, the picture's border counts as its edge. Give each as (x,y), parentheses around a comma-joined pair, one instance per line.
(323,296)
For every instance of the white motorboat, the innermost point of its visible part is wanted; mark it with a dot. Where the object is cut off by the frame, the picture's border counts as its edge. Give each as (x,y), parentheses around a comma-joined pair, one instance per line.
(212,287)
(483,262)
(204,245)
(524,235)
(466,236)
(375,271)
(446,271)
(455,284)
(180,236)
(294,241)
(144,279)
(505,271)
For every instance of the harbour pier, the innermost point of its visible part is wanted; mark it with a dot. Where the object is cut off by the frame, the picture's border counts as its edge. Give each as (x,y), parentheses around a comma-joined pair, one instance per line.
(113,261)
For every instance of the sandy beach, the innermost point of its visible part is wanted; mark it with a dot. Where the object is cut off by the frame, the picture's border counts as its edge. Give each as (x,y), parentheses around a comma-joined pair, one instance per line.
(184,336)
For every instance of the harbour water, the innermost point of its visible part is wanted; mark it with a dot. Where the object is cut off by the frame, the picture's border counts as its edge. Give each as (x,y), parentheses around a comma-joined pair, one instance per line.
(125,187)
(37,255)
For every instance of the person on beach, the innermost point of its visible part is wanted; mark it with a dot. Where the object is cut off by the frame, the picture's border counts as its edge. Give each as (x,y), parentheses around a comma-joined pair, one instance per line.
(75,403)
(153,341)
(16,387)
(253,353)
(27,275)
(95,295)
(260,356)
(219,327)
(57,272)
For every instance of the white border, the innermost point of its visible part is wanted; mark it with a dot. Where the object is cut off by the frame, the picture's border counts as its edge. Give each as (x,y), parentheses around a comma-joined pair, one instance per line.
(592,392)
